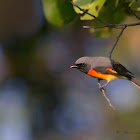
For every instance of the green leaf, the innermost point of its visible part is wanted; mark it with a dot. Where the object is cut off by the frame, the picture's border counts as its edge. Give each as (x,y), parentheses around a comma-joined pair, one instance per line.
(116,4)
(135,5)
(58,12)
(112,15)
(93,7)
(131,3)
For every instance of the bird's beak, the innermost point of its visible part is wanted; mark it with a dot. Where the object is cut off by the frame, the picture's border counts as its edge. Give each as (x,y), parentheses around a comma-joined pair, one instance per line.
(74,66)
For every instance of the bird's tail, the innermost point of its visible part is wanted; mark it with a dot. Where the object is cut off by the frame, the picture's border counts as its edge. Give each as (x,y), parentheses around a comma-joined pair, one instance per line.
(135,83)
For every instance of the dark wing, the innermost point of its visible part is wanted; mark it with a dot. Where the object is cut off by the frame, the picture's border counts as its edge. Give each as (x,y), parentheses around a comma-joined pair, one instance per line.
(105,70)
(121,70)
(115,68)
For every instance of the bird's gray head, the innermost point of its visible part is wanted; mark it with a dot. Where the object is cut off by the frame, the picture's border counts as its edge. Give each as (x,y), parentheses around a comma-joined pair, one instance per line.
(82,64)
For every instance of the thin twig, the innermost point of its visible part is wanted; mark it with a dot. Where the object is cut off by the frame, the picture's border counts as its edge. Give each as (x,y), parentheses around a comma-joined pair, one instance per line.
(129,24)
(103,91)
(89,27)
(126,132)
(86,12)
(118,37)
(134,14)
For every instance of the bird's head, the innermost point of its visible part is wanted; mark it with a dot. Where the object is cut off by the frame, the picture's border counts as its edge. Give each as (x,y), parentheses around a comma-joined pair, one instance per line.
(82,64)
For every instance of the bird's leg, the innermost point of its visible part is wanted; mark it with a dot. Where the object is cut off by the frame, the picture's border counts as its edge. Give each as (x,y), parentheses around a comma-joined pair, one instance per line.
(99,83)
(106,83)
(100,86)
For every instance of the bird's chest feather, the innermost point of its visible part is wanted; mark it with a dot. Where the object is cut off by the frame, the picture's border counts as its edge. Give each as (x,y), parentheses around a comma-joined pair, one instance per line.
(99,75)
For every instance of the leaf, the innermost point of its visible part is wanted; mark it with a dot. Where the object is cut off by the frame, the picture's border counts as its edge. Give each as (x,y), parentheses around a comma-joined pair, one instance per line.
(58,12)
(131,3)
(116,4)
(110,14)
(135,5)
(93,7)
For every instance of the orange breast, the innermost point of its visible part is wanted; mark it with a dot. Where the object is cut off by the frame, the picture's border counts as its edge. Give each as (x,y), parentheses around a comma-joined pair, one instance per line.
(99,75)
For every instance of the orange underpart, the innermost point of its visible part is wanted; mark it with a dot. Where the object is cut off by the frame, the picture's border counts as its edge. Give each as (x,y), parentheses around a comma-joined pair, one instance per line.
(99,75)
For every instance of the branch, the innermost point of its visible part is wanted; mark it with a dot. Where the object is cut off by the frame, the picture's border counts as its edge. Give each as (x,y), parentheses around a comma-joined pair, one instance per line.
(117,26)
(118,37)
(105,23)
(126,132)
(86,12)
(99,27)
(134,14)
(103,91)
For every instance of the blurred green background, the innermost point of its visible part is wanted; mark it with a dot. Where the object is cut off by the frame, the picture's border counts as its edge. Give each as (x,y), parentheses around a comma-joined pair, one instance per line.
(41,98)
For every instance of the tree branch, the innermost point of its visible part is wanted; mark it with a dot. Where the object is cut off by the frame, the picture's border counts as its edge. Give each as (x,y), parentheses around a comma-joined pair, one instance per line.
(103,91)
(88,27)
(99,27)
(117,26)
(118,37)
(126,132)
(86,12)
(134,14)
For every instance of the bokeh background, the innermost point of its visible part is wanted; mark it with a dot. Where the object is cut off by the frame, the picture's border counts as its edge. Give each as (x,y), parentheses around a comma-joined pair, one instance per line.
(41,98)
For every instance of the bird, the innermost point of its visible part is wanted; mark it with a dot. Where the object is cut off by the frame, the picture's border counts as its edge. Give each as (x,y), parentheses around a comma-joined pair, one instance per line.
(104,68)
